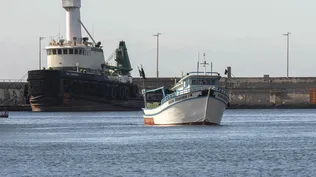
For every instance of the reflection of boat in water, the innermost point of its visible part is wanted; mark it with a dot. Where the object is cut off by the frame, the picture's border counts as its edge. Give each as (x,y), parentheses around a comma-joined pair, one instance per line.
(196,99)
(79,78)
(5,114)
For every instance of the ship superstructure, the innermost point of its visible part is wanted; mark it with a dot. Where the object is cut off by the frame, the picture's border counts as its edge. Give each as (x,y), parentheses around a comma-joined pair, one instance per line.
(74,51)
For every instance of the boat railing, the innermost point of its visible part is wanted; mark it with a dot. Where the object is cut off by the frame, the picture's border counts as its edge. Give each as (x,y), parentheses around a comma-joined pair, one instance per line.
(144,91)
(181,92)
(207,73)
(221,90)
(189,90)
(177,93)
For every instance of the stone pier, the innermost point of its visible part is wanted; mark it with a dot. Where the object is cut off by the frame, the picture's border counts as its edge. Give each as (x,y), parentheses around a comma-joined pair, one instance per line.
(255,92)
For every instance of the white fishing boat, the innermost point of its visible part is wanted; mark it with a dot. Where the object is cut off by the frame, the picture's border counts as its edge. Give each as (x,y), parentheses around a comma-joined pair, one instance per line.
(195,99)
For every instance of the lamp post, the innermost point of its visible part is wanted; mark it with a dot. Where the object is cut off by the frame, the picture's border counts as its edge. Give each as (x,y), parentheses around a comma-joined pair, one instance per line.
(287,52)
(40,52)
(157,35)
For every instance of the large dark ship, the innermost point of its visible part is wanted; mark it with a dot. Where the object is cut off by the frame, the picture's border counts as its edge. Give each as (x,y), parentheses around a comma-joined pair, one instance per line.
(78,77)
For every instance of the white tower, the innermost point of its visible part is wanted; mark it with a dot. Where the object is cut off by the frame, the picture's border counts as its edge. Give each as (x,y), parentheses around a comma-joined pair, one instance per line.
(73,24)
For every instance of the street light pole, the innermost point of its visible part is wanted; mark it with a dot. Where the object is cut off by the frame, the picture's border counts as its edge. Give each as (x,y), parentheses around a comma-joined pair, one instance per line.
(40,52)
(157,35)
(287,52)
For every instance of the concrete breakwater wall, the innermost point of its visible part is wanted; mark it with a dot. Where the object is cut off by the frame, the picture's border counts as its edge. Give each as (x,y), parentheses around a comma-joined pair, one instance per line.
(12,93)
(245,92)
(269,91)
(256,91)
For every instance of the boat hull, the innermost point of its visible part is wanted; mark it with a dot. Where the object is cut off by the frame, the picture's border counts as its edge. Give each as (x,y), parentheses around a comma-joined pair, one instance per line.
(196,109)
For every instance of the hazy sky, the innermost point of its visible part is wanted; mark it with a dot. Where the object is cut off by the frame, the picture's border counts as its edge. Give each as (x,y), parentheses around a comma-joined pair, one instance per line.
(243,34)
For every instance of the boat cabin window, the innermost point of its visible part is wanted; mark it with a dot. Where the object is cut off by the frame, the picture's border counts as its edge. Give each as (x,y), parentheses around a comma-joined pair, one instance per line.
(206,81)
(67,51)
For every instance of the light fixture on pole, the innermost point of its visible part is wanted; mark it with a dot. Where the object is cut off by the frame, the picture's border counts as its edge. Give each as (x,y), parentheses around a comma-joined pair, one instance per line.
(157,35)
(287,52)
(40,52)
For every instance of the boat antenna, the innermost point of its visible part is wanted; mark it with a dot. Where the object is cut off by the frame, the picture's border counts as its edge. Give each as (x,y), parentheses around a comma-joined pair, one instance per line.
(197,67)
(92,30)
(211,68)
(58,32)
(204,64)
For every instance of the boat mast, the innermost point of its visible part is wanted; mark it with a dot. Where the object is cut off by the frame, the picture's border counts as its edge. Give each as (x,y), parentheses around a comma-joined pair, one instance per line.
(204,64)
(198,63)
(211,68)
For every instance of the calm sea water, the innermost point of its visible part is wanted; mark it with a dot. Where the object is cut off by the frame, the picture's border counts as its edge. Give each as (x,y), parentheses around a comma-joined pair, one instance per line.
(248,143)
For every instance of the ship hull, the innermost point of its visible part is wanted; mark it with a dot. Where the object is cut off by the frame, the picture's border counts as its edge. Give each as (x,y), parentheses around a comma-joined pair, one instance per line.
(88,106)
(61,91)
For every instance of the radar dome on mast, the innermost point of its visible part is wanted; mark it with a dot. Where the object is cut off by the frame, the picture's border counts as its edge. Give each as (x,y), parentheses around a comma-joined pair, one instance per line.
(73,25)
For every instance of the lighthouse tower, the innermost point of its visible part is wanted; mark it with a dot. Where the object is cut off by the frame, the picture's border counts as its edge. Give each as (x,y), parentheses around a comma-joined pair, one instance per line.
(73,23)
